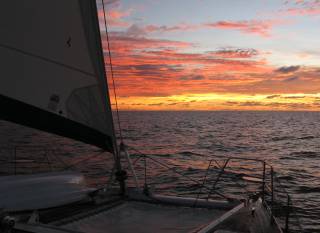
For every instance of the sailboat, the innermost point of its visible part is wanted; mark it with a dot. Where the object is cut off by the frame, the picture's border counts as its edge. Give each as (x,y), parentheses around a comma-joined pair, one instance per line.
(53,79)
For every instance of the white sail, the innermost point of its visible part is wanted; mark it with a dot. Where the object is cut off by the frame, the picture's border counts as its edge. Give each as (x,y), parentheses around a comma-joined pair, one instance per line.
(52,70)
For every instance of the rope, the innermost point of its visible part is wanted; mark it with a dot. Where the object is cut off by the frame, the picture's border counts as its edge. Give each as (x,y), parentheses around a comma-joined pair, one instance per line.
(111,70)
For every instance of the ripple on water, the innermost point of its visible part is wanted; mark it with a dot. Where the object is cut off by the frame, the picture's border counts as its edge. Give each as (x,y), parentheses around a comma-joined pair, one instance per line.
(308,189)
(283,138)
(305,154)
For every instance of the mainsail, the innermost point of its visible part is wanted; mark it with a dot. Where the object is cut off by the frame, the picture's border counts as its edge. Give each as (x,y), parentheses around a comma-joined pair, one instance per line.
(52,69)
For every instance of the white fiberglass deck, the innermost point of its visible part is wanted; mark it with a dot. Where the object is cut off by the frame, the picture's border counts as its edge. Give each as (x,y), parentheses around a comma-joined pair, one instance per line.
(145,217)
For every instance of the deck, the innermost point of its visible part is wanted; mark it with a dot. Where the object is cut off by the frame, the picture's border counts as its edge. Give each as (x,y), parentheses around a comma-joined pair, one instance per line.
(146,217)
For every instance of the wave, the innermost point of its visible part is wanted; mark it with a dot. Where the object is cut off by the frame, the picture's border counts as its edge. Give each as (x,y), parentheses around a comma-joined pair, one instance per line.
(306,137)
(307,189)
(189,153)
(283,138)
(305,154)
(287,178)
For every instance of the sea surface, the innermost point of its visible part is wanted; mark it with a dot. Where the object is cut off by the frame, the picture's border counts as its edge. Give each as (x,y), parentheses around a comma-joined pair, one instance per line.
(179,147)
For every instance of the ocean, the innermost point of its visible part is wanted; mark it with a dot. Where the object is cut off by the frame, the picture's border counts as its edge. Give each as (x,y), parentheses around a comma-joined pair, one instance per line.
(187,141)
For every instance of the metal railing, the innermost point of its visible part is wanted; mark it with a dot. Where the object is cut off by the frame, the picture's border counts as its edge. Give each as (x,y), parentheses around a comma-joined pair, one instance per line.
(267,179)
(47,159)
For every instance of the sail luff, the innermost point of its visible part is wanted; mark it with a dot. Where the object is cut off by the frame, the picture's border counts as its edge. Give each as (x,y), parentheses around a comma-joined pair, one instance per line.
(101,68)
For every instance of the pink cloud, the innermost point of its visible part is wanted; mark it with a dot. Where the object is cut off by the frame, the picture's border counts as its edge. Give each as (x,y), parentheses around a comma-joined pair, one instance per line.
(116,14)
(115,17)
(257,27)
(302,7)
(179,27)
(306,11)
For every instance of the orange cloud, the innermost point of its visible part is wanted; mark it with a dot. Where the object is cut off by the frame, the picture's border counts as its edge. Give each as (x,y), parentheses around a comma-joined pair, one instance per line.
(216,101)
(150,67)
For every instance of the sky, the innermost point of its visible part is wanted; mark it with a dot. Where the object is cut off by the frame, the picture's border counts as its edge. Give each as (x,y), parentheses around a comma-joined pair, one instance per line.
(214,54)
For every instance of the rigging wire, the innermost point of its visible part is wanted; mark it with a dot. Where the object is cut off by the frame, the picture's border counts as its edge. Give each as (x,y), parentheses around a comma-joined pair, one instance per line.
(120,174)
(83,160)
(111,71)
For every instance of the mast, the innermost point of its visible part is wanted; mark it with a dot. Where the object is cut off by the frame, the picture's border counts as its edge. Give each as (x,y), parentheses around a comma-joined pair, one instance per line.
(121,174)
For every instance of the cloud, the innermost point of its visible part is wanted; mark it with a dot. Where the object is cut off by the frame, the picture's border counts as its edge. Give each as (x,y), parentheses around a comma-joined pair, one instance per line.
(114,17)
(271,105)
(156,104)
(216,101)
(302,12)
(272,96)
(294,78)
(146,68)
(306,80)
(250,103)
(261,28)
(150,72)
(232,103)
(294,97)
(140,30)
(193,77)
(230,52)
(164,28)
(135,31)
(301,7)
(117,14)
(257,27)
(287,69)
(125,40)
(157,67)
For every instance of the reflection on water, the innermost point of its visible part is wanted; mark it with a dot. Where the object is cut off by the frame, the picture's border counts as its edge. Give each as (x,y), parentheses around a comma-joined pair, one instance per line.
(290,141)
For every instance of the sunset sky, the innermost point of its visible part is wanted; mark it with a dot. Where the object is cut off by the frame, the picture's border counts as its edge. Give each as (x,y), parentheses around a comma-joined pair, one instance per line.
(215,54)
